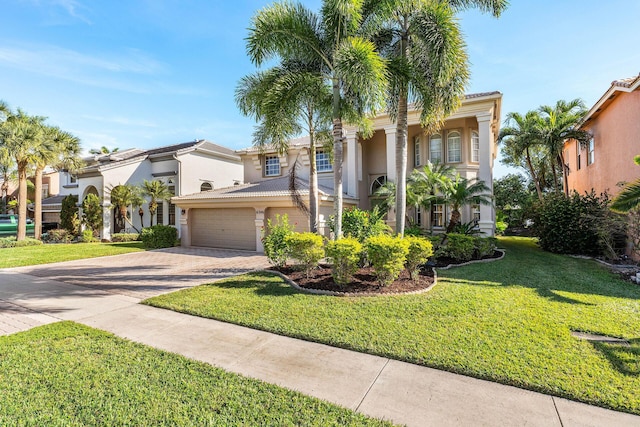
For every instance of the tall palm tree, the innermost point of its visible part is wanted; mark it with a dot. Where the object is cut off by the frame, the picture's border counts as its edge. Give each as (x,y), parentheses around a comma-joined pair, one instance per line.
(157,191)
(123,196)
(629,197)
(285,100)
(427,185)
(346,62)
(560,123)
(428,65)
(462,191)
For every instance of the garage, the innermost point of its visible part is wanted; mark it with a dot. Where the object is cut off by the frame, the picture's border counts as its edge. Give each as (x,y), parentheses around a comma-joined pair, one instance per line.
(224,228)
(297,218)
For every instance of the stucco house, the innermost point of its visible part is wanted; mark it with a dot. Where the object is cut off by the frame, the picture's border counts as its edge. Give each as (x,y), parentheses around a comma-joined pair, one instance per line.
(234,217)
(186,168)
(607,160)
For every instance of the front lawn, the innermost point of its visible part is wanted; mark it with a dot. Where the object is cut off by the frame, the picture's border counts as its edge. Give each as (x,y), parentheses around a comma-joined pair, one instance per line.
(44,254)
(509,321)
(72,375)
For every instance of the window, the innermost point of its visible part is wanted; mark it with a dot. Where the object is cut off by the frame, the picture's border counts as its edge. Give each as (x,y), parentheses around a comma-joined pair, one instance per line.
(206,186)
(591,155)
(578,156)
(271,166)
(475,214)
(454,149)
(323,161)
(418,216)
(475,146)
(73,179)
(416,151)
(437,216)
(45,191)
(172,207)
(435,149)
(160,213)
(377,183)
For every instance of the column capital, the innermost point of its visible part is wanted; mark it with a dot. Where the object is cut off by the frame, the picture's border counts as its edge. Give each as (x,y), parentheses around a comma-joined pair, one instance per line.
(484,117)
(390,129)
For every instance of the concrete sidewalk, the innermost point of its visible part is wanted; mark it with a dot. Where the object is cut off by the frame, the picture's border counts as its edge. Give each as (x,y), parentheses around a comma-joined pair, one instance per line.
(379,387)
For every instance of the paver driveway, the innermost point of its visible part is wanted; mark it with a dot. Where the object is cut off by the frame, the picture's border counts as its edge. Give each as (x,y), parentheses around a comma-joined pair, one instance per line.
(145,274)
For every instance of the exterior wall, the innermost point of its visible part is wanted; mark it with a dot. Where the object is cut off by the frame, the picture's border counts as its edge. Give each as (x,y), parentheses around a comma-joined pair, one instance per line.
(616,134)
(197,168)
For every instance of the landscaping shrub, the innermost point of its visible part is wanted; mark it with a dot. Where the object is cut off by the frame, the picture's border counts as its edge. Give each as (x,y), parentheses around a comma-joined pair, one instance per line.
(125,237)
(306,248)
(159,236)
(501,226)
(58,236)
(92,214)
(12,242)
(361,224)
(413,230)
(27,241)
(420,249)
(387,255)
(69,214)
(88,237)
(274,240)
(345,255)
(459,247)
(485,246)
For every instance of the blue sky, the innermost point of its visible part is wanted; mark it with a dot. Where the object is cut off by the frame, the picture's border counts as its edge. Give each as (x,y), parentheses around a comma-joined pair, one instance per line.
(148,73)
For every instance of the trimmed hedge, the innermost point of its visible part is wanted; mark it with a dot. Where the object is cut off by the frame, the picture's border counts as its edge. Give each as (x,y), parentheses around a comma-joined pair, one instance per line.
(125,237)
(11,242)
(305,248)
(344,255)
(159,236)
(387,255)
(59,235)
(420,249)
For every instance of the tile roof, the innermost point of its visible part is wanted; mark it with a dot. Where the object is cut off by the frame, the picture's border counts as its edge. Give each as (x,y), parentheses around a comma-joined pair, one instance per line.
(267,188)
(481,94)
(53,200)
(625,82)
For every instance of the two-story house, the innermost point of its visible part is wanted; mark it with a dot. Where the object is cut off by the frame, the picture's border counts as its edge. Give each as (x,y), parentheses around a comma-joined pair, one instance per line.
(235,217)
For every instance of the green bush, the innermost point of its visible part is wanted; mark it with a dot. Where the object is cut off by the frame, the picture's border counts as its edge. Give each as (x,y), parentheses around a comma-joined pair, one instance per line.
(69,214)
(8,242)
(485,246)
(28,241)
(361,224)
(11,242)
(159,236)
(345,255)
(306,248)
(459,247)
(413,230)
(88,237)
(125,237)
(92,214)
(58,236)
(387,255)
(420,249)
(501,226)
(274,240)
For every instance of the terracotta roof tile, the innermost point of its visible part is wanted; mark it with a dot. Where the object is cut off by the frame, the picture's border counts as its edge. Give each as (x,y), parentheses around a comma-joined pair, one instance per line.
(625,82)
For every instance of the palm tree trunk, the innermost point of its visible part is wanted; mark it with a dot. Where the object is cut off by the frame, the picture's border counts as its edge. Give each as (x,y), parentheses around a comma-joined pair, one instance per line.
(565,177)
(534,178)
(38,204)
(5,191)
(22,201)
(313,182)
(455,219)
(337,160)
(401,164)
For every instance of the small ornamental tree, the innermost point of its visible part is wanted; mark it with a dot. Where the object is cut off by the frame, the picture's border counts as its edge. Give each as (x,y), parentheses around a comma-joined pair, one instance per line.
(69,214)
(345,255)
(92,213)
(274,240)
(387,255)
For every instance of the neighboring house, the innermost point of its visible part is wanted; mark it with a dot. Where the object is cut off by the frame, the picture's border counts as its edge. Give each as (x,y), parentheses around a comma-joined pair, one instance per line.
(235,217)
(186,168)
(607,160)
(56,185)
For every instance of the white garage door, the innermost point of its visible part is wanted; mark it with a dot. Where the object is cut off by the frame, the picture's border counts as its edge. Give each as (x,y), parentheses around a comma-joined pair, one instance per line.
(297,218)
(224,228)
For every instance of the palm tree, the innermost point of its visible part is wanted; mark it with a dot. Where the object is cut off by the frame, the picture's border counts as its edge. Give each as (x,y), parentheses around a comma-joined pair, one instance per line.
(560,124)
(462,191)
(428,65)
(344,60)
(427,185)
(629,198)
(102,150)
(123,196)
(287,99)
(156,190)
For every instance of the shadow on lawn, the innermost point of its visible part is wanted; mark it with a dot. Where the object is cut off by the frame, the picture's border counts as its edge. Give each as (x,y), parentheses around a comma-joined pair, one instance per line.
(625,359)
(262,283)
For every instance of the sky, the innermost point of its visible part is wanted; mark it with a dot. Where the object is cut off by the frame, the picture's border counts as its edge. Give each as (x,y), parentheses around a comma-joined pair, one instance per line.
(150,73)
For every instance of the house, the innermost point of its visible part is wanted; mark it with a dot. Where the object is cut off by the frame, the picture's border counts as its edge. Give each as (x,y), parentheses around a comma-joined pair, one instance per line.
(235,217)
(186,168)
(606,161)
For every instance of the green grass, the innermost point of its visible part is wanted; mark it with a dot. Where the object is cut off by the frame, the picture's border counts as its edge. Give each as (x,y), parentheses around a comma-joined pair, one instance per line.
(509,321)
(44,254)
(66,374)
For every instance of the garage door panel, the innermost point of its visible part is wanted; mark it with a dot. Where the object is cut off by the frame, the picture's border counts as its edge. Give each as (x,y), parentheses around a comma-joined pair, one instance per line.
(224,228)
(298,219)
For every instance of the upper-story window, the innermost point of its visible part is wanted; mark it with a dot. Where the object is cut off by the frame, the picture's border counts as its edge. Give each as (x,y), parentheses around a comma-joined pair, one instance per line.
(578,156)
(591,154)
(377,183)
(271,166)
(206,186)
(454,147)
(416,151)
(72,179)
(435,148)
(323,161)
(475,146)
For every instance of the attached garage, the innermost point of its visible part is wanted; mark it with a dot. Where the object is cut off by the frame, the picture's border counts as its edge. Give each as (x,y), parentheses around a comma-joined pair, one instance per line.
(224,228)
(297,218)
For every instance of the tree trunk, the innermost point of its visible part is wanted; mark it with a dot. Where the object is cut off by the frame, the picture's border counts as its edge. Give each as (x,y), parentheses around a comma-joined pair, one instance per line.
(565,173)
(401,165)
(534,178)
(337,160)
(22,201)
(5,191)
(455,219)
(37,216)
(313,186)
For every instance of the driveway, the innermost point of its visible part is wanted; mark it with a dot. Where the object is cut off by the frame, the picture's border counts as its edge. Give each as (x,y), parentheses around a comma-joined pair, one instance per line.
(145,274)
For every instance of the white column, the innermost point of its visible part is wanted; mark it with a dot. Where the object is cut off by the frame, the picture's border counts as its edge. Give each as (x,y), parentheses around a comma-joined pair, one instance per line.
(106,218)
(259,222)
(487,213)
(185,236)
(390,132)
(352,142)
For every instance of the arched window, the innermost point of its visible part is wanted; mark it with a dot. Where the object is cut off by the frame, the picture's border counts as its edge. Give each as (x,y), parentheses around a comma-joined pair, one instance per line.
(475,146)
(454,149)
(377,183)
(206,186)
(435,148)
